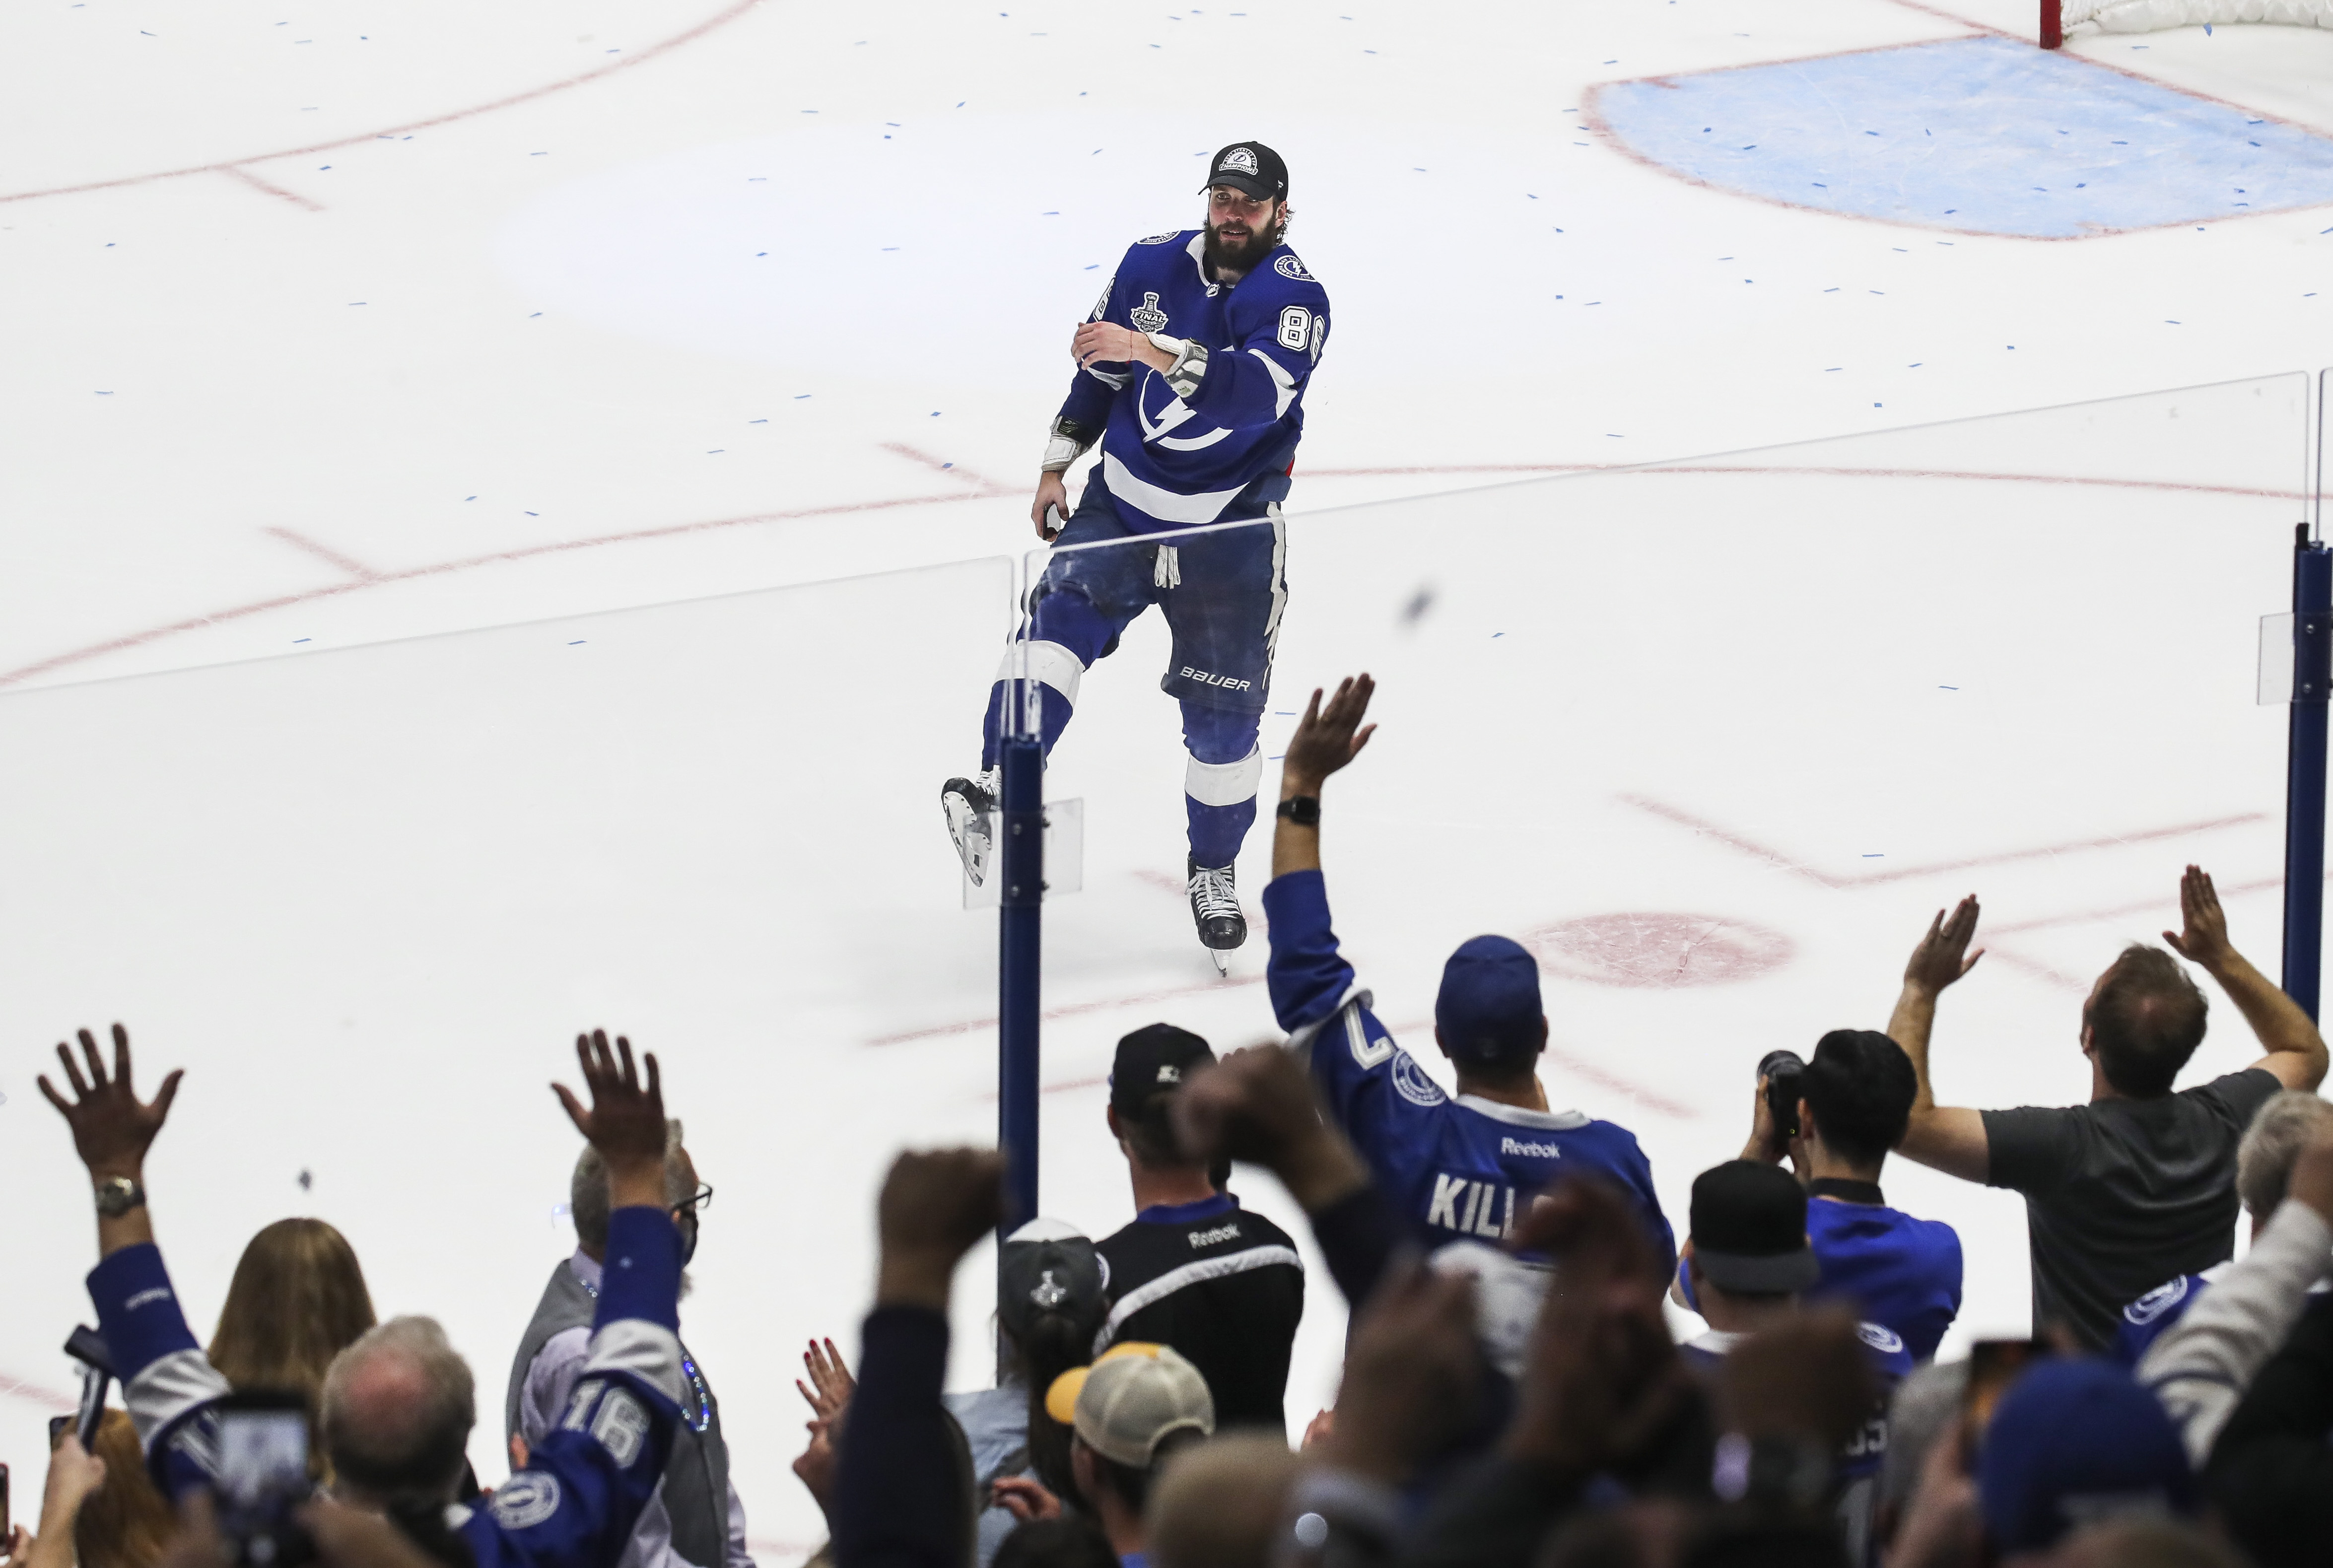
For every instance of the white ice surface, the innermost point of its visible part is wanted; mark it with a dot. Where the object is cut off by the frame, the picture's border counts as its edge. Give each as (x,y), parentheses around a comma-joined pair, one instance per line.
(364,897)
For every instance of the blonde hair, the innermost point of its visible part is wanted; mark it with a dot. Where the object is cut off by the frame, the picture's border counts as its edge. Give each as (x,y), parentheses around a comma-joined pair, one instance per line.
(126,1522)
(298,1299)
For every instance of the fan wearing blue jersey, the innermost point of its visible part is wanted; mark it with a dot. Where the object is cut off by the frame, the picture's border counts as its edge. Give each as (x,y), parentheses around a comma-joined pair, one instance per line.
(1855,1098)
(1455,1168)
(1191,374)
(399,1403)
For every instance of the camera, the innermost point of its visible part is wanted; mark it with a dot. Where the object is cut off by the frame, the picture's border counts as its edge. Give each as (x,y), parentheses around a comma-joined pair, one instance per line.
(1783,1071)
(263,1476)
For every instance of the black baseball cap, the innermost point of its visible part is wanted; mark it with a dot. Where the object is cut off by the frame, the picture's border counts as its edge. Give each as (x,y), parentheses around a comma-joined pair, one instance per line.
(1250,166)
(1049,1266)
(1152,1060)
(1749,1230)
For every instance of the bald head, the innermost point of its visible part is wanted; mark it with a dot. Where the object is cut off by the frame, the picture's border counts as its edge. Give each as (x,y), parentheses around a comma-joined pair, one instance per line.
(1218,1504)
(399,1406)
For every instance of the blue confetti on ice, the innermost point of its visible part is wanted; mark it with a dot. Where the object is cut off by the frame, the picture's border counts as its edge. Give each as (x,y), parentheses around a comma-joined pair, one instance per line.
(1967,129)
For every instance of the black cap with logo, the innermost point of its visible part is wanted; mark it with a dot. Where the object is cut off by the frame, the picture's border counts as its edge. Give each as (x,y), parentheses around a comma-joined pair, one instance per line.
(1151,1061)
(1250,167)
(1049,1268)
(1749,1230)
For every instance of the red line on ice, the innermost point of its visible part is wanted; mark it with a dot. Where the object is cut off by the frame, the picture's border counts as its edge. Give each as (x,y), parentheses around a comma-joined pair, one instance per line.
(197,622)
(234,165)
(34,1393)
(2169,902)
(354,568)
(253,180)
(440,568)
(1872,879)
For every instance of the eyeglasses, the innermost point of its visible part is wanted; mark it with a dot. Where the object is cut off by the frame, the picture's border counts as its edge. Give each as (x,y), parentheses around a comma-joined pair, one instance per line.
(702,1199)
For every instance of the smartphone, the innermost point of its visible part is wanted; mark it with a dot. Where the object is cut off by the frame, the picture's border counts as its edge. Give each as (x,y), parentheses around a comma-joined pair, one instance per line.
(1993,1365)
(87,1346)
(263,1476)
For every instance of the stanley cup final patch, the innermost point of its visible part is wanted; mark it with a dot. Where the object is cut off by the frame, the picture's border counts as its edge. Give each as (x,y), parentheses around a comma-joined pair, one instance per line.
(1147,317)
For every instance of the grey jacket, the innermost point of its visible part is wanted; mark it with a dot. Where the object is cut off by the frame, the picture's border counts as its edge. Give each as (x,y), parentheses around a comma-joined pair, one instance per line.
(695,1515)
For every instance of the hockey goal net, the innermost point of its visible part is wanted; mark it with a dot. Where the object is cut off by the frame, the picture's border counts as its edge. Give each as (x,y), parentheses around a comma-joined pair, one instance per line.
(2150,16)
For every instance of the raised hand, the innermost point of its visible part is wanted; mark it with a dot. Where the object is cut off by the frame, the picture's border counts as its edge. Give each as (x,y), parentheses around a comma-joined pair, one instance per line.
(1410,1373)
(111,1127)
(1325,738)
(1601,1382)
(2205,938)
(626,1123)
(934,1207)
(1258,1105)
(816,1466)
(1024,1498)
(831,1384)
(1766,1139)
(1943,955)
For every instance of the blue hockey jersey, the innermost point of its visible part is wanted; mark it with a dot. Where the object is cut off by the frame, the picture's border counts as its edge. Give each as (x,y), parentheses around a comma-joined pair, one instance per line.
(1173,462)
(2154,1314)
(584,1484)
(1859,1461)
(1901,1273)
(1463,1167)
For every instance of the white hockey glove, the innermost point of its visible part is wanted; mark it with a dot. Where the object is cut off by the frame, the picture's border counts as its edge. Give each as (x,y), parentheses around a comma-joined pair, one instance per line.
(1064,445)
(1190,366)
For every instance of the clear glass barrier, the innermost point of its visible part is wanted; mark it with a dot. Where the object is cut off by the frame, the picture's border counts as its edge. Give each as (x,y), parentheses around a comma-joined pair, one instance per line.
(1717,738)
(366,896)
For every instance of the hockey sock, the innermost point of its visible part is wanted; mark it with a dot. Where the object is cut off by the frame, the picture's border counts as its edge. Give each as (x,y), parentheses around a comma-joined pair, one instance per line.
(1219,782)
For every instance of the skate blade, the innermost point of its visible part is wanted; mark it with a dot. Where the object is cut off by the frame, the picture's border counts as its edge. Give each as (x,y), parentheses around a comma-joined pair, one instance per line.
(974,843)
(1222,961)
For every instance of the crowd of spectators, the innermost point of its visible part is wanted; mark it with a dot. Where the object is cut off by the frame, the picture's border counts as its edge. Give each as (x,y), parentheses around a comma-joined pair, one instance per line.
(1513,1394)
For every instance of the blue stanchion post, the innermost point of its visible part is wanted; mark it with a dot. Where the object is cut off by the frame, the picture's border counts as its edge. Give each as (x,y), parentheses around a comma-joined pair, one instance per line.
(2304,799)
(1021,865)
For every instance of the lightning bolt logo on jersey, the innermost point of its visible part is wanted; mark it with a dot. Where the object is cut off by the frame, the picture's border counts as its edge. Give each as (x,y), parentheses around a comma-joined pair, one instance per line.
(1175,460)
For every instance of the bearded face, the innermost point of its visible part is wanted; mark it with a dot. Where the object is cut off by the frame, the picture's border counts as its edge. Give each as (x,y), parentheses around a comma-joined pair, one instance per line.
(1233,245)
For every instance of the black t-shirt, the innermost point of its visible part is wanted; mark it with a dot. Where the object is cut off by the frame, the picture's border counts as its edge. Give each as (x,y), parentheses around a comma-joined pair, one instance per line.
(1222,1286)
(2120,1192)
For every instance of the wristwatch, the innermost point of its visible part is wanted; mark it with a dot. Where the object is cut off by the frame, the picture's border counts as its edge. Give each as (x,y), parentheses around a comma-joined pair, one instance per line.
(118,1195)
(1304,810)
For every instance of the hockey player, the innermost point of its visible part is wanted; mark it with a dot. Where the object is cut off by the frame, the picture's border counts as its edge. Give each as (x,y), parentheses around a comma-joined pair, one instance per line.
(1191,374)
(1468,1166)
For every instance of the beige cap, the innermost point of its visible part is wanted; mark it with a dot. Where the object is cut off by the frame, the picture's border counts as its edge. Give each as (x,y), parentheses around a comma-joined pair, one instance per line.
(1134,1395)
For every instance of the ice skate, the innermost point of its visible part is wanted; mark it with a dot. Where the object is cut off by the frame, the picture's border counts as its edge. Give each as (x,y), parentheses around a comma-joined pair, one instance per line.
(970,806)
(1215,910)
